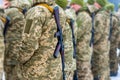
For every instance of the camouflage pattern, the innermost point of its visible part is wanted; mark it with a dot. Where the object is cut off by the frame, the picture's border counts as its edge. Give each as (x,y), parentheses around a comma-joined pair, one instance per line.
(38,45)
(114,45)
(70,62)
(84,51)
(13,40)
(20,3)
(50,2)
(101,46)
(2,46)
(118,15)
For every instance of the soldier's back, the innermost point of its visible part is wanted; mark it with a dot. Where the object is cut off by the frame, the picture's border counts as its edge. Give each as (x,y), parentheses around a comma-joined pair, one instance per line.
(41,64)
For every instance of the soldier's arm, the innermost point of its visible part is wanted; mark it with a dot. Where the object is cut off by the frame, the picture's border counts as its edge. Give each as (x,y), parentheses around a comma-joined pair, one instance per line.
(84,24)
(99,25)
(2,48)
(116,30)
(13,34)
(118,33)
(69,48)
(35,20)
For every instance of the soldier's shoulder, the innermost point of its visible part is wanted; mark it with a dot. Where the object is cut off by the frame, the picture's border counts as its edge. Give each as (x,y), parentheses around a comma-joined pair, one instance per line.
(38,11)
(84,15)
(70,13)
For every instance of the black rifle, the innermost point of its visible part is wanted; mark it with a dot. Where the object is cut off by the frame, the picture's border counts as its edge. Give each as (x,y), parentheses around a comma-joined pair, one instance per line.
(73,37)
(6,27)
(92,31)
(110,32)
(74,46)
(60,45)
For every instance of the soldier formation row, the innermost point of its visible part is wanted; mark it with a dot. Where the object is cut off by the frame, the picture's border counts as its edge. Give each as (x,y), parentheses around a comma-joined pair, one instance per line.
(34,32)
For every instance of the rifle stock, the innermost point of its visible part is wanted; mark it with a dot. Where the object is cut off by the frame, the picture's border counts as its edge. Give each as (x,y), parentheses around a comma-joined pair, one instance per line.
(57,49)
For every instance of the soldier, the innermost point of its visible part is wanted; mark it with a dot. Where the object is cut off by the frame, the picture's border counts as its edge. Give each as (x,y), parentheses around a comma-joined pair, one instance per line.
(84,51)
(13,36)
(2,46)
(114,31)
(118,15)
(70,49)
(101,45)
(38,42)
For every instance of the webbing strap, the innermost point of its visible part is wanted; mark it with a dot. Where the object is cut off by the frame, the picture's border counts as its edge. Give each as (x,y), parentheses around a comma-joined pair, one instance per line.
(47,6)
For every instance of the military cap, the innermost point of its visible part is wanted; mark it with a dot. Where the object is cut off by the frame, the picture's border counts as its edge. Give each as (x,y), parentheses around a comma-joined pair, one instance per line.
(90,1)
(62,3)
(109,7)
(101,2)
(79,2)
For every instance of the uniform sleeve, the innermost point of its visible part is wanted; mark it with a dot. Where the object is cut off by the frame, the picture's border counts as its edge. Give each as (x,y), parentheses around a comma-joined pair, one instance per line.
(13,36)
(116,31)
(70,63)
(118,34)
(101,21)
(84,25)
(35,20)
(2,48)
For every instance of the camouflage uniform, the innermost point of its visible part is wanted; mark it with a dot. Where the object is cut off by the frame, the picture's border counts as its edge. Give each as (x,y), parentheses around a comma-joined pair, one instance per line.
(13,38)
(113,37)
(114,45)
(70,62)
(2,46)
(38,44)
(118,15)
(84,51)
(101,45)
